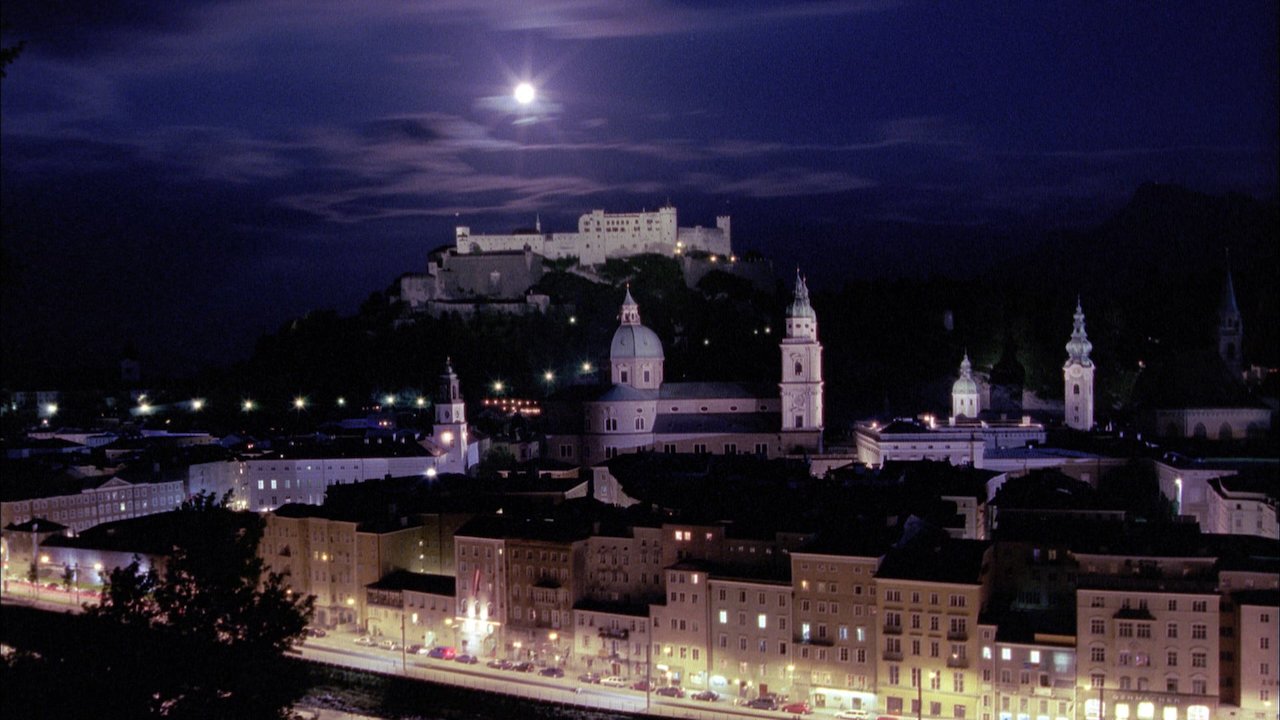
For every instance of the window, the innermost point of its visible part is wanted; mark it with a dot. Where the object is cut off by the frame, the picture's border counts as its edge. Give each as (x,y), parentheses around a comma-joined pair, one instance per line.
(761,621)
(611,424)
(1199,660)
(1097,626)
(1097,654)
(1171,631)
(1199,631)
(566,451)
(1199,606)
(639,423)
(1171,658)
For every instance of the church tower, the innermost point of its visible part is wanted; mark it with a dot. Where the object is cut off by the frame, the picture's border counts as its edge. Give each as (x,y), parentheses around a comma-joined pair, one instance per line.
(1077,377)
(964,393)
(801,386)
(450,430)
(1230,330)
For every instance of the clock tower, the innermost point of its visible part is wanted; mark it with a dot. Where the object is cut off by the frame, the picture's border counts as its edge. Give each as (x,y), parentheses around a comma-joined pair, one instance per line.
(1077,376)
(801,386)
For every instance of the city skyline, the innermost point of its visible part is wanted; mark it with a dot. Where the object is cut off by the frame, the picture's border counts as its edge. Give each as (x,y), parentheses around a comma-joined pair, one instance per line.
(199,174)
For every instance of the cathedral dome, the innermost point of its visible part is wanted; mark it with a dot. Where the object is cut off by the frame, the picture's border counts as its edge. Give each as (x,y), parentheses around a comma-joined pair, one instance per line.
(634,341)
(631,339)
(965,385)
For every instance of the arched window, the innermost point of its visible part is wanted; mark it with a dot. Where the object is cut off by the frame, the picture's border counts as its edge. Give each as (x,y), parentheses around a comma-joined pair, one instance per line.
(623,376)
(1075,389)
(1200,431)
(1224,432)
(1231,351)
(646,377)
(799,368)
(639,423)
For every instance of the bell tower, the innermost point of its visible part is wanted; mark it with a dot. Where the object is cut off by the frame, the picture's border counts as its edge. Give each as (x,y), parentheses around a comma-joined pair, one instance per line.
(1077,377)
(450,430)
(801,386)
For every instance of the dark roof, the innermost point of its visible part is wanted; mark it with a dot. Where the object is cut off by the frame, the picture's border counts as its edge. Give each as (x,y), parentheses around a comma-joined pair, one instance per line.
(1263,598)
(416,582)
(1140,583)
(1196,378)
(950,561)
(147,535)
(728,423)
(1022,626)
(716,390)
(37,525)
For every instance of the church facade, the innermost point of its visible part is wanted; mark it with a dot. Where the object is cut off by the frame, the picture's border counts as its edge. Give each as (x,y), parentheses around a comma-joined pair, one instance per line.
(639,411)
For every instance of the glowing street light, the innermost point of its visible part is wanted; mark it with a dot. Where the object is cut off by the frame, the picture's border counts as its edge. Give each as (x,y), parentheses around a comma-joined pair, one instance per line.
(299,403)
(420,402)
(342,402)
(498,386)
(525,93)
(549,376)
(51,409)
(197,405)
(247,406)
(389,400)
(586,367)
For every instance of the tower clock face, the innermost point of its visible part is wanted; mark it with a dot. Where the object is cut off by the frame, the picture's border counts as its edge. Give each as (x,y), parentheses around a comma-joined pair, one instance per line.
(1075,372)
(797,400)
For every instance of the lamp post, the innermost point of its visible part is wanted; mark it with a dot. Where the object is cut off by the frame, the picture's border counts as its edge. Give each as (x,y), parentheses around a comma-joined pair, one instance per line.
(404,662)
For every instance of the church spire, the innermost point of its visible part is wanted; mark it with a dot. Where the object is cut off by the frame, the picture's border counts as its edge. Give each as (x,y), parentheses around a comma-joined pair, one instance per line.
(1079,347)
(800,306)
(1230,326)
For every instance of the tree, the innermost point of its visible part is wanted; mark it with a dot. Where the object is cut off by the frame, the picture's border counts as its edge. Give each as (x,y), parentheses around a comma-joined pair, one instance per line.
(202,637)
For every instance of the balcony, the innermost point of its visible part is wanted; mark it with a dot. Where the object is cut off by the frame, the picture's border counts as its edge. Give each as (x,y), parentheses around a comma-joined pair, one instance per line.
(893,655)
(958,635)
(892,630)
(957,661)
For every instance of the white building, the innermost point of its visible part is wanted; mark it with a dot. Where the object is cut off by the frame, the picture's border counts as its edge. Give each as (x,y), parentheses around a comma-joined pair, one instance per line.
(603,235)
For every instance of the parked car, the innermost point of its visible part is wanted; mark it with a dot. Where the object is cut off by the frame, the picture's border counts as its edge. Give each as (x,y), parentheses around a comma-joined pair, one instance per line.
(389,645)
(525,666)
(315,632)
(590,678)
(671,691)
(614,681)
(798,708)
(553,672)
(442,652)
(500,664)
(763,703)
(852,715)
(642,685)
(365,641)
(706,696)
(416,650)
(466,659)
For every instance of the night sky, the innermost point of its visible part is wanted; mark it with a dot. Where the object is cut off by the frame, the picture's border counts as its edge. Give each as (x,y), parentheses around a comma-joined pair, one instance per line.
(187,175)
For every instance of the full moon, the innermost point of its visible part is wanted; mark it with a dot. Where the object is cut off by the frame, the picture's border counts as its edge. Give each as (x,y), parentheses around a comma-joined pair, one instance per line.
(524,93)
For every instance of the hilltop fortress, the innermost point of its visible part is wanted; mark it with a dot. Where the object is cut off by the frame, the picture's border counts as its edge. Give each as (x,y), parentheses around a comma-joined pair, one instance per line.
(495,273)
(602,235)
